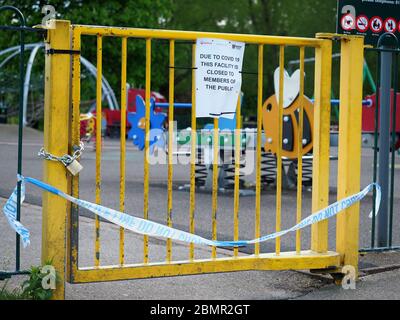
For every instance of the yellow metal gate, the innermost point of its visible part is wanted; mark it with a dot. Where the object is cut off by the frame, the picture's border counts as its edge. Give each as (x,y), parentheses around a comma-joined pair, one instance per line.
(62,111)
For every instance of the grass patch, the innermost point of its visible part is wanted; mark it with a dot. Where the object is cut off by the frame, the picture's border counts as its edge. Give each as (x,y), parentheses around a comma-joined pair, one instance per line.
(36,287)
(15,294)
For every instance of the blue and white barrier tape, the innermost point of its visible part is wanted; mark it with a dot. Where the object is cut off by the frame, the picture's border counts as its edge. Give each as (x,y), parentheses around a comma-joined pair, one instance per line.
(10,211)
(154,229)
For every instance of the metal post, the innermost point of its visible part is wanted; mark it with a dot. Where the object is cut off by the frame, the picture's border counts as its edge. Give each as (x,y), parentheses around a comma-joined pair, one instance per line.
(56,139)
(322,113)
(393,147)
(384,143)
(349,162)
(20,125)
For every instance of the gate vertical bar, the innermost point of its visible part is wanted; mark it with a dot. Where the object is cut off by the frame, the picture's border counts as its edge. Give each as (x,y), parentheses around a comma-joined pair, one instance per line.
(279,151)
(322,115)
(349,166)
(384,145)
(193,154)
(393,145)
(73,218)
(260,82)
(171,141)
(122,159)
(236,197)
(99,115)
(56,138)
(215,184)
(147,148)
(21,124)
(300,151)
(375,173)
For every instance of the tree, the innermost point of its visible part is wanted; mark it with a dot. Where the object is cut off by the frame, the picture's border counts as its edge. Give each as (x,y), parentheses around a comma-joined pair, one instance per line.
(270,17)
(133,13)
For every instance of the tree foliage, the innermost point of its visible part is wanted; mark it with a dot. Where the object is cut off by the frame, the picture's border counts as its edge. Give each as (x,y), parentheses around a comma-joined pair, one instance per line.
(133,13)
(270,17)
(302,18)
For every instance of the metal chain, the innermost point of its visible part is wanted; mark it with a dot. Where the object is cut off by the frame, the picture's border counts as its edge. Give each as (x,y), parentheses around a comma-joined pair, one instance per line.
(65,159)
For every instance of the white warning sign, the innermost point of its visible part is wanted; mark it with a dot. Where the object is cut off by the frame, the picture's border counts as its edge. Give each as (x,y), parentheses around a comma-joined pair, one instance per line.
(376,24)
(362,23)
(348,22)
(390,25)
(218,77)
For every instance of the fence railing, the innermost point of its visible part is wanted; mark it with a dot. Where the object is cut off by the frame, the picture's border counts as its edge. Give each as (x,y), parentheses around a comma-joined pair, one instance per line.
(62,134)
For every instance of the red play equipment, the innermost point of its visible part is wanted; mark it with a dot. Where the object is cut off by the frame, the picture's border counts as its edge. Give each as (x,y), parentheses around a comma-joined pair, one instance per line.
(368,116)
(113,117)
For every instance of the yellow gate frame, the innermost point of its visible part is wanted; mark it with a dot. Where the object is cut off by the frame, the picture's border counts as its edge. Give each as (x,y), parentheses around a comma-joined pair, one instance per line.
(61,133)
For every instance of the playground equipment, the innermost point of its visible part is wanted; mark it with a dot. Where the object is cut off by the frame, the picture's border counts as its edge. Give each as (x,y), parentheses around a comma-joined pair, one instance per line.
(292,127)
(88,125)
(226,127)
(204,170)
(368,123)
(204,167)
(137,121)
(13,52)
(158,133)
(290,130)
(369,106)
(112,116)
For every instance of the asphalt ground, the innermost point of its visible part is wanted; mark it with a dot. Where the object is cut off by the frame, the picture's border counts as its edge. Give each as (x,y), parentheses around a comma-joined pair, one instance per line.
(252,285)
(246,285)
(32,166)
(265,285)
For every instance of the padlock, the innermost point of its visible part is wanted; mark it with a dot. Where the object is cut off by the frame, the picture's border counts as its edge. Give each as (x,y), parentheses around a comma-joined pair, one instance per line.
(74,167)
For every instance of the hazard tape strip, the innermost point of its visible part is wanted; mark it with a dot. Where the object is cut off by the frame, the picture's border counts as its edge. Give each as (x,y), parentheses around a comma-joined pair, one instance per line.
(150,228)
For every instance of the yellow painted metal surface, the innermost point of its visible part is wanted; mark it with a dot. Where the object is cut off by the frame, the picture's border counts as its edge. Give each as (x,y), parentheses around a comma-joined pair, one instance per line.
(193,35)
(73,217)
(271,125)
(147,149)
(170,141)
(278,219)
(122,165)
(285,261)
(193,148)
(318,258)
(99,139)
(300,151)
(236,196)
(258,146)
(322,114)
(56,141)
(349,166)
(215,184)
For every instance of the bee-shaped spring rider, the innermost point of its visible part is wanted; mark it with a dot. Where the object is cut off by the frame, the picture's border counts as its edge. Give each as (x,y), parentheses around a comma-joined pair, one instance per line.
(291,116)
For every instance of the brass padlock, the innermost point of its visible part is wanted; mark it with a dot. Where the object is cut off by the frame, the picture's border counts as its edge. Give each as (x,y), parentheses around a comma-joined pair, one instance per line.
(74,167)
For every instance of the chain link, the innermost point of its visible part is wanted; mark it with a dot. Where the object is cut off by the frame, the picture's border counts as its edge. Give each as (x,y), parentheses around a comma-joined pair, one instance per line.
(65,159)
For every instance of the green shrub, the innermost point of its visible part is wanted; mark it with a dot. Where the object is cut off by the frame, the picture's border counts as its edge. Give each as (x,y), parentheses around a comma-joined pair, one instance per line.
(31,289)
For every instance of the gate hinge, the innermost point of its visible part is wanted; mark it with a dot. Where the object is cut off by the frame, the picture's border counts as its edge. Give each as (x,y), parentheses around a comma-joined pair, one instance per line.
(62,51)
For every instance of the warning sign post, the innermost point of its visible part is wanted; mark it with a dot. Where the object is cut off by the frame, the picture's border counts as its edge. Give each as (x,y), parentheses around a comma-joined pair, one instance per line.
(384,18)
(369,18)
